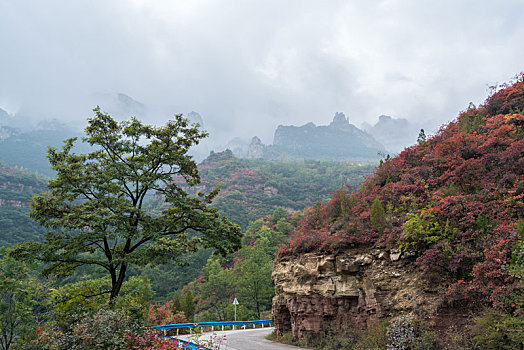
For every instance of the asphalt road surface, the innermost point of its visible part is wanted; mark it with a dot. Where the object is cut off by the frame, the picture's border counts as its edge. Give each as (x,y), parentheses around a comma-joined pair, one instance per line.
(248,339)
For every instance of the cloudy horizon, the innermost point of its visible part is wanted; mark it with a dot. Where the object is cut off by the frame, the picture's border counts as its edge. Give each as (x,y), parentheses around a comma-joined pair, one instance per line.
(247,67)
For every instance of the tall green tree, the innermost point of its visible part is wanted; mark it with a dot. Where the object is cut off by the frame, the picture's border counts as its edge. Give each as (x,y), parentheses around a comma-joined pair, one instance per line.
(95,209)
(188,306)
(254,283)
(216,290)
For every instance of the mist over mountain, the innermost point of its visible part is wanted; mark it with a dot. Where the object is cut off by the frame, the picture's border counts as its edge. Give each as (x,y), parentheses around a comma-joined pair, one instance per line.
(12,121)
(239,147)
(4,116)
(395,134)
(340,140)
(28,149)
(120,105)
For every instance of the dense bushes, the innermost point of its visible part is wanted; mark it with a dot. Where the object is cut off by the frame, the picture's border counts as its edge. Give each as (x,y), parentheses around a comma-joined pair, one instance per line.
(496,330)
(105,329)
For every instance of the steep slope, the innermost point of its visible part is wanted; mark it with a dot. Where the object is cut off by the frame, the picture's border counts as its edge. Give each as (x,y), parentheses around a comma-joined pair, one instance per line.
(433,229)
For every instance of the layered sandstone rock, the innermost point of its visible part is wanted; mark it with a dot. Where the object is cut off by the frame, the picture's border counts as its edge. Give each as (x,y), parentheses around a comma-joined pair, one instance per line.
(347,289)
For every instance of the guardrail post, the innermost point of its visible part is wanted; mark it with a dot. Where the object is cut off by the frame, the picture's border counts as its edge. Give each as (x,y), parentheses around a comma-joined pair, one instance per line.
(177,332)
(212,328)
(222,328)
(262,325)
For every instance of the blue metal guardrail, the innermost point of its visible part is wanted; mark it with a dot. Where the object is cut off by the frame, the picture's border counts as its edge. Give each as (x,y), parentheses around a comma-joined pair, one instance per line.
(210,324)
(189,345)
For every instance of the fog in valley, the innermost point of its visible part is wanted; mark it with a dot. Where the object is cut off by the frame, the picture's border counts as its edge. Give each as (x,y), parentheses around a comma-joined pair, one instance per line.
(247,67)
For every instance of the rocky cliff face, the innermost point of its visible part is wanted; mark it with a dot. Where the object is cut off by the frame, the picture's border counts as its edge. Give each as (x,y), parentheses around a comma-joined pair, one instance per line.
(347,289)
(256,148)
(339,140)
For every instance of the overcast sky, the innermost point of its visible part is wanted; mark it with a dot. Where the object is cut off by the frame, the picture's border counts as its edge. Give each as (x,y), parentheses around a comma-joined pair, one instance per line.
(248,66)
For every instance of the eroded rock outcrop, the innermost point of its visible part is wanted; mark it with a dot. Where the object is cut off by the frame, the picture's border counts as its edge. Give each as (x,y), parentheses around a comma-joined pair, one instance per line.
(347,289)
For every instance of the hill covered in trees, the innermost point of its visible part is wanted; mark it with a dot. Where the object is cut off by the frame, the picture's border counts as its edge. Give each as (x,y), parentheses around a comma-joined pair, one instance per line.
(16,189)
(253,188)
(453,208)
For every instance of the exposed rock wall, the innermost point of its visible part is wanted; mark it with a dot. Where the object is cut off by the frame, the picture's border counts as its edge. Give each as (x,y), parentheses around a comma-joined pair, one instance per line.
(348,289)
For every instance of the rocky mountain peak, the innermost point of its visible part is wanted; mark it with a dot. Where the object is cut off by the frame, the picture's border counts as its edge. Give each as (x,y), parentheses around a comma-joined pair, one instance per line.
(256,148)
(384,118)
(195,117)
(339,120)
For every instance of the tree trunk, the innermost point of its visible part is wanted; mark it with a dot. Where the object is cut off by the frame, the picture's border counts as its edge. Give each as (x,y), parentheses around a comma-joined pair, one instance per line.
(116,285)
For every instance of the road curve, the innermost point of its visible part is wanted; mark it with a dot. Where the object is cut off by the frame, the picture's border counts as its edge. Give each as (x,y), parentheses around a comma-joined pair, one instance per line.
(249,339)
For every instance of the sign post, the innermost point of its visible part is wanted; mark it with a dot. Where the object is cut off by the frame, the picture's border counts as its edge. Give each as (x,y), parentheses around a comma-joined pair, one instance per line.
(235,302)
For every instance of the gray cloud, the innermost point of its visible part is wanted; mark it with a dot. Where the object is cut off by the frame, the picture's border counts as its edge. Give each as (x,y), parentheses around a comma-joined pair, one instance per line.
(248,66)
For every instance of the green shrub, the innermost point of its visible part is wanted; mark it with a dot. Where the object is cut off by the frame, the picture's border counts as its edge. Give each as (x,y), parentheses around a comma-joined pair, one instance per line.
(375,336)
(73,301)
(497,330)
(422,230)
(426,340)
(377,215)
(286,338)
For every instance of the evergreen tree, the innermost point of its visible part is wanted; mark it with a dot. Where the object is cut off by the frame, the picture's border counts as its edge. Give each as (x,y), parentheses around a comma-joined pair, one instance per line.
(188,306)
(378,215)
(421,137)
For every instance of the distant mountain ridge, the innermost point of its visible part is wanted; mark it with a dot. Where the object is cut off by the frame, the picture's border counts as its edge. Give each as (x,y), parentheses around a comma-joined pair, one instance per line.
(28,149)
(340,141)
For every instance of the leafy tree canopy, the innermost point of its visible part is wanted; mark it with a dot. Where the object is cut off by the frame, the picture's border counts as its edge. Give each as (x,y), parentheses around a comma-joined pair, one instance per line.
(94,210)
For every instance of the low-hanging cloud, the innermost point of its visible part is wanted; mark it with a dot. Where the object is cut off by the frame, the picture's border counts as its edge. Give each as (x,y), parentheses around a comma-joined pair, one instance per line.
(248,66)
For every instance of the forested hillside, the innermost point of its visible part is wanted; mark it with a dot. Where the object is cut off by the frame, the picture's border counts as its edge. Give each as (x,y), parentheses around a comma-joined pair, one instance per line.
(16,189)
(253,188)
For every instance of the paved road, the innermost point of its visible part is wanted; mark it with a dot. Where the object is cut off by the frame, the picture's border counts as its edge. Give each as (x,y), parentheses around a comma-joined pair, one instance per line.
(249,339)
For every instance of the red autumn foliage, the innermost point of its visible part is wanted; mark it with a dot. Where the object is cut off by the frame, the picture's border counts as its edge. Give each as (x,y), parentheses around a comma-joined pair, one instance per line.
(470,176)
(164,314)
